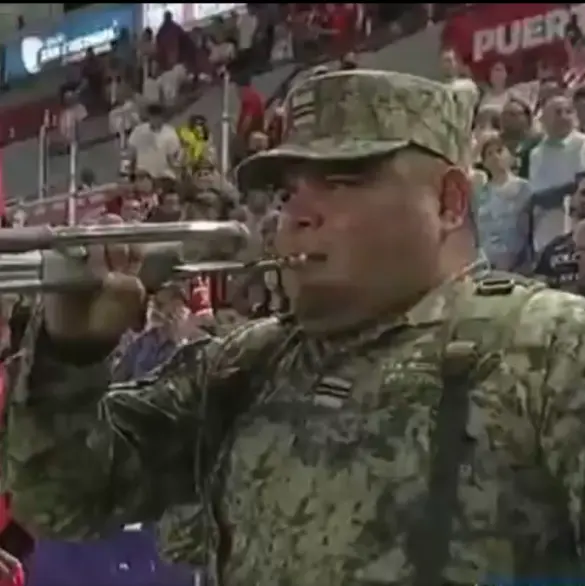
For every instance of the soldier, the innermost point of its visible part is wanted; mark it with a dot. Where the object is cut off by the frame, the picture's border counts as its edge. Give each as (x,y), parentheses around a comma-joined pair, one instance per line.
(414,421)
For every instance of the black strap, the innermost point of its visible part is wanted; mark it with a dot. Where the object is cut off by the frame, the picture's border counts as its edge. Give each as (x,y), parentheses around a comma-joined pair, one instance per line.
(428,543)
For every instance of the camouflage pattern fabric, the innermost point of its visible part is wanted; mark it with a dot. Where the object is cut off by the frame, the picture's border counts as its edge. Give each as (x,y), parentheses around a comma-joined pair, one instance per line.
(361,113)
(318,476)
(277,458)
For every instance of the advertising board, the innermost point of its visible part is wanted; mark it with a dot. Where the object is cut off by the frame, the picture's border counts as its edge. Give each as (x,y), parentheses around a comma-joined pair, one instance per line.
(187,15)
(518,34)
(68,40)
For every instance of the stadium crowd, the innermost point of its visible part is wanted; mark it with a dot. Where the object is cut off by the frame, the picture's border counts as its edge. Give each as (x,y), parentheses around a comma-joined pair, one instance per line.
(528,170)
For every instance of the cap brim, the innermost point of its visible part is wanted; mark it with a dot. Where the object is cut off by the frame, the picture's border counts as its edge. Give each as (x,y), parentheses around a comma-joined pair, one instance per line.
(267,168)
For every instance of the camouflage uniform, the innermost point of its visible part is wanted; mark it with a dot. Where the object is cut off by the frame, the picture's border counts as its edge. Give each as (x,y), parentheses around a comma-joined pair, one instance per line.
(435,448)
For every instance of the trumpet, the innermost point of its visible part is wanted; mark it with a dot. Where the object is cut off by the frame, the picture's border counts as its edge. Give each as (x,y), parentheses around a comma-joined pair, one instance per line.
(55,260)
(20,240)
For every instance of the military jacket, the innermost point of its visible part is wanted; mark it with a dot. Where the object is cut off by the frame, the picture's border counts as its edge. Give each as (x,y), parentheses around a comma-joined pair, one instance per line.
(443,447)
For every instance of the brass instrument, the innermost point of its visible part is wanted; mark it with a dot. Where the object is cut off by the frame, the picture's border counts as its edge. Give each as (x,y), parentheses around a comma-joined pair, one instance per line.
(46,260)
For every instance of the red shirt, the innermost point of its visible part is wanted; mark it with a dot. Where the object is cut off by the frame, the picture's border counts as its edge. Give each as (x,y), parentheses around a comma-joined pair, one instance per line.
(251,106)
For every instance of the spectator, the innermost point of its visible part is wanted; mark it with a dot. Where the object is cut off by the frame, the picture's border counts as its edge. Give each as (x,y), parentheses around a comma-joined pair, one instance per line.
(131,210)
(94,82)
(579,105)
(124,116)
(496,94)
(575,41)
(282,49)
(151,87)
(72,114)
(169,207)
(503,216)
(518,134)
(349,61)
(222,50)
(154,145)
(170,325)
(450,66)
(171,80)
(558,262)
(87,179)
(560,156)
(169,40)
(247,23)
(197,143)
(146,50)
(251,115)
(275,126)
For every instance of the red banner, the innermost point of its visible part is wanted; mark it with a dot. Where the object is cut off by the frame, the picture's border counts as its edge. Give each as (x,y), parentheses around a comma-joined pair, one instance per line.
(523,36)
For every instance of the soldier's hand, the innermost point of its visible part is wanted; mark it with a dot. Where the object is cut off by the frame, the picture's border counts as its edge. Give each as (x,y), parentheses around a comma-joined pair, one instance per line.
(106,314)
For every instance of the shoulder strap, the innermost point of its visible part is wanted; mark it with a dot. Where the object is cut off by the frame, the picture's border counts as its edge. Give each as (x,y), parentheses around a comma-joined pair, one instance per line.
(483,324)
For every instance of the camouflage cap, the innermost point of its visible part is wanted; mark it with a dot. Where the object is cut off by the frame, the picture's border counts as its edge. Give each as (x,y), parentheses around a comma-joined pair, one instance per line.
(361,113)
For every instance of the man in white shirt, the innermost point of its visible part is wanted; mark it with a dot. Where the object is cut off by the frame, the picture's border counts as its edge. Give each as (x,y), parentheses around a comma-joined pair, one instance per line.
(554,164)
(155,146)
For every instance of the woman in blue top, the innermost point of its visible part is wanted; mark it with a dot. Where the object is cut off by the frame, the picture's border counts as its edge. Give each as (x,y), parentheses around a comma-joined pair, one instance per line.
(504,211)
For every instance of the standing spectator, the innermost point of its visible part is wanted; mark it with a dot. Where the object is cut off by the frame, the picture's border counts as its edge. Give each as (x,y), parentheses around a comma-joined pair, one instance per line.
(146,50)
(503,216)
(170,82)
(94,82)
(73,113)
(558,263)
(496,94)
(282,49)
(247,23)
(518,133)
(151,87)
(560,156)
(197,143)
(251,115)
(579,104)
(154,145)
(169,39)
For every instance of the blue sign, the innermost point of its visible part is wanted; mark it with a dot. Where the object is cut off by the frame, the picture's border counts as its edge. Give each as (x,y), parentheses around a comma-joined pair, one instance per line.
(68,40)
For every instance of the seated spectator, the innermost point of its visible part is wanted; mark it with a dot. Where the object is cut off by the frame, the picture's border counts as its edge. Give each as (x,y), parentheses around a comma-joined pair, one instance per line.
(503,217)
(87,179)
(169,208)
(349,61)
(131,210)
(171,324)
(72,114)
(125,115)
(154,145)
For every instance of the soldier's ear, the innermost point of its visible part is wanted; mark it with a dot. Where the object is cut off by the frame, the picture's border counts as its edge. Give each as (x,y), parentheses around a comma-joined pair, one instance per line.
(455,198)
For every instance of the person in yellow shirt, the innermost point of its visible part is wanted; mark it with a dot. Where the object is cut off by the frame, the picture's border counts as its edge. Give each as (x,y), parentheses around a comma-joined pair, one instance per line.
(197,144)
